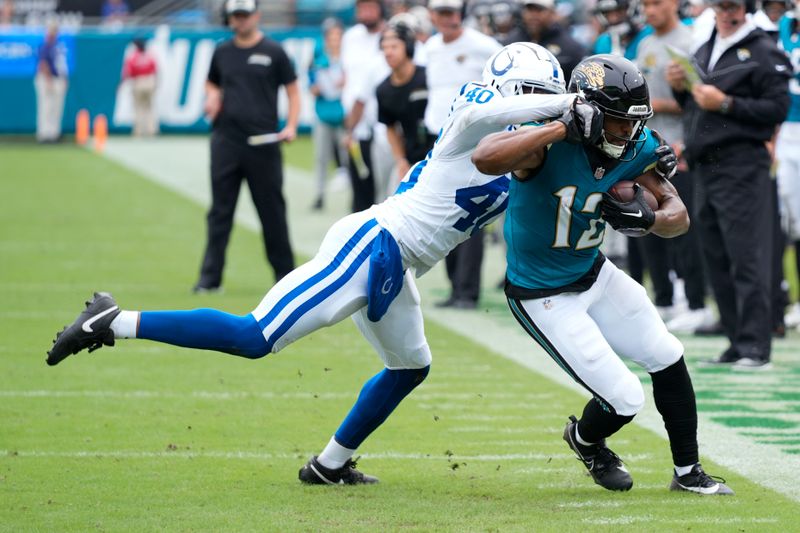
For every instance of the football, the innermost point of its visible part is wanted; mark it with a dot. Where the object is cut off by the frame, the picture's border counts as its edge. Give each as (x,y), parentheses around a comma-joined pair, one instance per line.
(624,192)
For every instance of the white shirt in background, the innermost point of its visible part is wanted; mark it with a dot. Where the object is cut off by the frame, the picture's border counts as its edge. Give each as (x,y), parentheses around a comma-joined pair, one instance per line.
(360,53)
(723,43)
(451,65)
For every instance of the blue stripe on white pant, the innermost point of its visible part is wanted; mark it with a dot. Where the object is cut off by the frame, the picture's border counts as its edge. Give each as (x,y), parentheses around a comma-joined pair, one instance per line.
(301,293)
(324,290)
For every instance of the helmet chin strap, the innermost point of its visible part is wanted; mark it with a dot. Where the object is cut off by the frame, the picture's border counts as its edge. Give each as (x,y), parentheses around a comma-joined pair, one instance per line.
(610,149)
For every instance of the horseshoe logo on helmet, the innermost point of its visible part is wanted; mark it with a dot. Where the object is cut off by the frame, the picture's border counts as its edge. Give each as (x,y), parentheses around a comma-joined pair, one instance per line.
(500,72)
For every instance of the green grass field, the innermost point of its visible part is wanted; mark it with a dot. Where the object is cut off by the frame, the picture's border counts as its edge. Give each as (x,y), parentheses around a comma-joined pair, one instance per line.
(144,437)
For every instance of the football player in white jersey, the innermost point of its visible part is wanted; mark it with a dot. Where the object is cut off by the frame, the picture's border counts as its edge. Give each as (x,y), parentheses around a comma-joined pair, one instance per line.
(363,267)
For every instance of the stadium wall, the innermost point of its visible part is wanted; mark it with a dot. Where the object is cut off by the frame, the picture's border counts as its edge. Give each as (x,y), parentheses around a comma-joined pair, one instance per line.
(94,59)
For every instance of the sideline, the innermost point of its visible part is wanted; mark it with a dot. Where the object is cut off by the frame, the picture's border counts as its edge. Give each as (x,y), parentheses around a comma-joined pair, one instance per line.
(743,442)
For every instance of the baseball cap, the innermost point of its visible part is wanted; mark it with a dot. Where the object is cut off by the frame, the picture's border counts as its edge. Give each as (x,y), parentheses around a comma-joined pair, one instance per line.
(240,6)
(452,5)
(547,4)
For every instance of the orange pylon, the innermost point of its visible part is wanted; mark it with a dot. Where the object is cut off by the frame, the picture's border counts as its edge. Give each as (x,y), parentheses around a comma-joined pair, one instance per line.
(82,127)
(100,132)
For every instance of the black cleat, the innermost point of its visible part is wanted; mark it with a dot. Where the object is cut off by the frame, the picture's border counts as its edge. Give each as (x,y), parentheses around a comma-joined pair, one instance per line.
(699,482)
(314,473)
(603,465)
(92,329)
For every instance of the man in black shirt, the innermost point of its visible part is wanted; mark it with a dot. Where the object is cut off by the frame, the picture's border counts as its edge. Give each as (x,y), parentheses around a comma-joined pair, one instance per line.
(402,99)
(729,115)
(242,103)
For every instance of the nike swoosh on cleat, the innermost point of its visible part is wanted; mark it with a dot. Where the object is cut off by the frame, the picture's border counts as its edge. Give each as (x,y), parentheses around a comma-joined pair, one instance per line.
(637,214)
(87,325)
(701,490)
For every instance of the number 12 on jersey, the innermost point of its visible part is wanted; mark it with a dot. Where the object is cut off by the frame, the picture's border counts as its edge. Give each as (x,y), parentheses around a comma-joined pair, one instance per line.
(591,237)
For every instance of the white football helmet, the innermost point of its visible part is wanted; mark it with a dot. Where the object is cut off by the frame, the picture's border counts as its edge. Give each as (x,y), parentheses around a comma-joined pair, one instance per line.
(523,68)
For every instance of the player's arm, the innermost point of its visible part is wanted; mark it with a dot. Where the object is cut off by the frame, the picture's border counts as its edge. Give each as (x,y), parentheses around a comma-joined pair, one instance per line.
(523,150)
(671,217)
(519,150)
(499,112)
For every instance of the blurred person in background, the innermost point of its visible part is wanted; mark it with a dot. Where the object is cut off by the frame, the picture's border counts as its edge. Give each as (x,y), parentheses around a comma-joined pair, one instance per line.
(402,99)
(242,103)
(326,80)
(360,51)
(787,151)
(505,20)
(730,114)
(140,69)
(620,32)
(477,15)
(620,35)
(769,15)
(424,27)
(683,252)
(114,12)
(7,13)
(51,87)
(456,55)
(541,26)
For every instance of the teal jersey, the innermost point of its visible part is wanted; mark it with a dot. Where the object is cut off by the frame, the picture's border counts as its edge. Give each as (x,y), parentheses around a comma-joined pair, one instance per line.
(553,227)
(789,39)
(605,44)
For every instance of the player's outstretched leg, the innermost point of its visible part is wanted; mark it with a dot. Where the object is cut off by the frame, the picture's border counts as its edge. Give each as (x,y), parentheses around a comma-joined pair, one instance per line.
(92,329)
(208,329)
(379,397)
(605,467)
(675,400)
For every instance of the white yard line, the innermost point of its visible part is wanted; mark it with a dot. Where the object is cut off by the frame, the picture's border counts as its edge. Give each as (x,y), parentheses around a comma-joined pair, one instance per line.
(269,456)
(181,164)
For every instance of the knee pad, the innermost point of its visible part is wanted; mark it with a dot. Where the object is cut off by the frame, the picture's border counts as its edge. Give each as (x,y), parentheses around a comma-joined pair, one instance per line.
(663,349)
(628,395)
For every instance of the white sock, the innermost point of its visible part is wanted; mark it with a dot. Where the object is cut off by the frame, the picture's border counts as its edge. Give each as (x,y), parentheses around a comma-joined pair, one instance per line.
(683,470)
(334,455)
(125,325)
(579,439)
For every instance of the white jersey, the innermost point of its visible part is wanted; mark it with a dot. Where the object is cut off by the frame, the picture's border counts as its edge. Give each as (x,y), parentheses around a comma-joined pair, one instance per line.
(444,199)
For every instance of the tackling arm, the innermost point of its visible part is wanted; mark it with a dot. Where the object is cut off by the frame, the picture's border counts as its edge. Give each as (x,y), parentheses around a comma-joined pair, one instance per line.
(480,119)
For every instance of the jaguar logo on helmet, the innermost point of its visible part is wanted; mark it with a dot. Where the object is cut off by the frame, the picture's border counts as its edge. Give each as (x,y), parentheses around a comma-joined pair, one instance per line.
(594,73)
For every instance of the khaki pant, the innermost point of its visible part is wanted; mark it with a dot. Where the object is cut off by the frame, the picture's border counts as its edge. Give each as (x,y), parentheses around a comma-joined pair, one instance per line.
(144,115)
(49,106)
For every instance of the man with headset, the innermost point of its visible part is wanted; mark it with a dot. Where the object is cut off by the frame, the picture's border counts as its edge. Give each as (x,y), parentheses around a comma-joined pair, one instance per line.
(242,103)
(402,99)
(732,107)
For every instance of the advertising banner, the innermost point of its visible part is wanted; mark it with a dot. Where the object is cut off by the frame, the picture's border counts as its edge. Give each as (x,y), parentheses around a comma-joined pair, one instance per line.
(95,60)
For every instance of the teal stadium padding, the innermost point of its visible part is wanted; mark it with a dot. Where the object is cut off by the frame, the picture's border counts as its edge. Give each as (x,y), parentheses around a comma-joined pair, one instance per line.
(95,56)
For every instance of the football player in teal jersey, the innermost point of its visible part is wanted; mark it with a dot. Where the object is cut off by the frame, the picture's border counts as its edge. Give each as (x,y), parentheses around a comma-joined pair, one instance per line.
(586,313)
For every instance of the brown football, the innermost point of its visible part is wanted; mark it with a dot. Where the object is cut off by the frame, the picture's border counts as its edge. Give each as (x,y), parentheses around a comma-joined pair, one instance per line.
(623,191)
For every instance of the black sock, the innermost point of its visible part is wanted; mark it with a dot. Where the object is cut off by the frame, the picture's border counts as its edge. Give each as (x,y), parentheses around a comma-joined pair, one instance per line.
(674,396)
(597,423)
